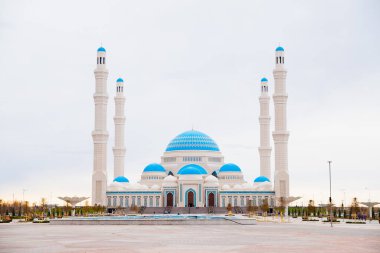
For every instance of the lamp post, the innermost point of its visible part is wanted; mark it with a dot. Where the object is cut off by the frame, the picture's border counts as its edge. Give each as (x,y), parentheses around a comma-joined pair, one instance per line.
(330,193)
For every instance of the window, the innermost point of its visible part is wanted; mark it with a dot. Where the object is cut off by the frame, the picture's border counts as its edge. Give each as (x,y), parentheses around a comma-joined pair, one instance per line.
(157,201)
(145,201)
(215,159)
(109,201)
(150,201)
(127,202)
(169,159)
(121,201)
(114,201)
(192,159)
(138,201)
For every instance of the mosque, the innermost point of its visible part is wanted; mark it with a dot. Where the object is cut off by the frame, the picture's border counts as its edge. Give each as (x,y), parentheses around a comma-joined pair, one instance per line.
(192,172)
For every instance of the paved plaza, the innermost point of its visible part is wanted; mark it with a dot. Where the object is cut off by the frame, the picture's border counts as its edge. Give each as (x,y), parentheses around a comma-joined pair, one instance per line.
(264,237)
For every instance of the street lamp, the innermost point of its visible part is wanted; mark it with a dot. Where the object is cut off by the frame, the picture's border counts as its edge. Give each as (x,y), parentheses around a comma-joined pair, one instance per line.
(330,193)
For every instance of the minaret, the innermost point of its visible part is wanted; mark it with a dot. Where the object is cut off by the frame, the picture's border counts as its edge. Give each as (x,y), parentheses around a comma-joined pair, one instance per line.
(264,119)
(100,133)
(280,134)
(119,119)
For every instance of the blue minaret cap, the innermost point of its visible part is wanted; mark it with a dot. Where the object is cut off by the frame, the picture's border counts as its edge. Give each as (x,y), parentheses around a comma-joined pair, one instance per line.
(119,80)
(264,79)
(279,49)
(101,49)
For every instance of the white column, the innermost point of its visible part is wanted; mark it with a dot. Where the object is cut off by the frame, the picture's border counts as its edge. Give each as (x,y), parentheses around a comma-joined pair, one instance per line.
(119,120)
(280,134)
(100,133)
(264,120)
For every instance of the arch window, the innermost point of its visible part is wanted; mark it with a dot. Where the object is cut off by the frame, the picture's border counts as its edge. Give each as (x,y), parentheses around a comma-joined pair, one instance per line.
(127,202)
(138,201)
(145,201)
(151,201)
(157,201)
(133,201)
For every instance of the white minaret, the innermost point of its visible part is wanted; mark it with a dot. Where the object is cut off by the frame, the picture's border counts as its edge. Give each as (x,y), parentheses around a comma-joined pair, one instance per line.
(280,134)
(100,133)
(264,119)
(119,119)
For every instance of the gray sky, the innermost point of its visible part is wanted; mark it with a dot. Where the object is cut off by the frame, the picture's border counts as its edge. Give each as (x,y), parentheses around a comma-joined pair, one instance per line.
(189,63)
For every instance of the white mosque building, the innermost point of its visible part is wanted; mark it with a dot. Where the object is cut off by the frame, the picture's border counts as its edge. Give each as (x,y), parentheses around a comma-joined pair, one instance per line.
(192,172)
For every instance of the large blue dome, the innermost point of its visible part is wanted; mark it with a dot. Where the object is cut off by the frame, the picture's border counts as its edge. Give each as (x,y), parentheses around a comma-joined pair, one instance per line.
(192,169)
(229,167)
(279,49)
(154,167)
(192,140)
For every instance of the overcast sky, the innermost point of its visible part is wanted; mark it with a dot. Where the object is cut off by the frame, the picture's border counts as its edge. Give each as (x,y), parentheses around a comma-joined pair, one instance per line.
(189,63)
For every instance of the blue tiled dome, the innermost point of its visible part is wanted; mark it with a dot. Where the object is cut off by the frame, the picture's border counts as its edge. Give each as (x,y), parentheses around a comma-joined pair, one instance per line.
(101,49)
(229,167)
(264,79)
(121,179)
(261,179)
(154,167)
(120,80)
(192,140)
(192,169)
(279,49)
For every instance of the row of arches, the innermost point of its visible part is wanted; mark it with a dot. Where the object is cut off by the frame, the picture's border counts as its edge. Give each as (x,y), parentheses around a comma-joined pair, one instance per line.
(190,199)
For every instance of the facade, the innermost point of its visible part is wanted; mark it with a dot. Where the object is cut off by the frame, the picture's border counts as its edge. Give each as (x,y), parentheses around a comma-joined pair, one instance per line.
(192,172)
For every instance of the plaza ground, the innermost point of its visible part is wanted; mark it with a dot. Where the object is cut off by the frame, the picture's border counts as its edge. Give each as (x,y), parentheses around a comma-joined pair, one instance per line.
(263,237)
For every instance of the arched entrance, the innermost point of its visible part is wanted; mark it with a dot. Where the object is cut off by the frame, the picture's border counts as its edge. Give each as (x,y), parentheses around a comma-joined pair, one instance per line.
(211,199)
(169,199)
(190,198)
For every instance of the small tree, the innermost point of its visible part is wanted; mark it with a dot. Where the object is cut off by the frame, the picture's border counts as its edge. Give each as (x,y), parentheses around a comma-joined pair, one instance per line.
(354,210)
(311,208)
(229,208)
(264,206)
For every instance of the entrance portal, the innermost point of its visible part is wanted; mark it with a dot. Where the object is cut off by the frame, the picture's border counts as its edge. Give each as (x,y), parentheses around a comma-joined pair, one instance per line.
(211,199)
(169,199)
(190,199)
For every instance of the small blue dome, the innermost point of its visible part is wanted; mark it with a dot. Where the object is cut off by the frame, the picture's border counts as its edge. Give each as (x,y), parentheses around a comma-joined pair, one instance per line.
(264,79)
(192,169)
(192,140)
(120,80)
(154,167)
(261,179)
(279,49)
(101,49)
(229,167)
(121,179)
